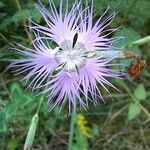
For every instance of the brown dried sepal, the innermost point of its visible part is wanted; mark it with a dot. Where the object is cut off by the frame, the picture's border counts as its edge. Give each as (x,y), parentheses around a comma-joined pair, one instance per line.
(136,68)
(128,54)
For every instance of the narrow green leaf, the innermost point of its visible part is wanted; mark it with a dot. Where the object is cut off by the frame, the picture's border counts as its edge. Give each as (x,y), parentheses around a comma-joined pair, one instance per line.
(133,111)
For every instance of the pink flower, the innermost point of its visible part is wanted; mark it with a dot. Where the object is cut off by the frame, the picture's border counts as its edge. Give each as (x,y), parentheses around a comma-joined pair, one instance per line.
(72,70)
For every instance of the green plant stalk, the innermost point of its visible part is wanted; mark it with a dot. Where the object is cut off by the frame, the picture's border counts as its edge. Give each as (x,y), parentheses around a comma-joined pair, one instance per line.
(118,112)
(40,104)
(23,19)
(141,41)
(71,133)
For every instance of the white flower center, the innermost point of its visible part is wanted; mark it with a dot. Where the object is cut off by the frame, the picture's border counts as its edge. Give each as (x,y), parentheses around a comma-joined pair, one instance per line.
(71,57)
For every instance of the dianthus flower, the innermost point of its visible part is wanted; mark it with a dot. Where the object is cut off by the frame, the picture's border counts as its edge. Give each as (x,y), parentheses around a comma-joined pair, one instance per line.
(78,66)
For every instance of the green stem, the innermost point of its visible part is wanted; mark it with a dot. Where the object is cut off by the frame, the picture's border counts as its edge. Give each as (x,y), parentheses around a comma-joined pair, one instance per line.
(40,104)
(71,131)
(23,19)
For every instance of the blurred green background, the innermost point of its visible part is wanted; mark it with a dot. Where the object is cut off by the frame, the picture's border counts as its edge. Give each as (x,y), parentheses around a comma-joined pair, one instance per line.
(123,123)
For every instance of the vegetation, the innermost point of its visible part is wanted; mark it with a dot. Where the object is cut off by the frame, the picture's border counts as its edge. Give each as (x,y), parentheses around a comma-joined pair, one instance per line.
(122,123)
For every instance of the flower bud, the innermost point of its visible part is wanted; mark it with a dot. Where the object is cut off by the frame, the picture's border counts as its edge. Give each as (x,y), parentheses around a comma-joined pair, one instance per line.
(31,132)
